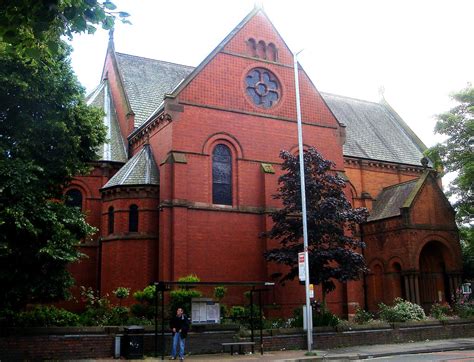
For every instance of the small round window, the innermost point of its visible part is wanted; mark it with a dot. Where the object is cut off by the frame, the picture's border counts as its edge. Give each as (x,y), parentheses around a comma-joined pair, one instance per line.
(262,87)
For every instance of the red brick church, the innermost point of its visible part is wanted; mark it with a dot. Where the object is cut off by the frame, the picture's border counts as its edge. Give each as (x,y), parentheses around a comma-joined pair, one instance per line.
(185,182)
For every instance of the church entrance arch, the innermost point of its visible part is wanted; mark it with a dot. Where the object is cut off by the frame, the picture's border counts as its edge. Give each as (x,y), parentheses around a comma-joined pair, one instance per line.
(434,281)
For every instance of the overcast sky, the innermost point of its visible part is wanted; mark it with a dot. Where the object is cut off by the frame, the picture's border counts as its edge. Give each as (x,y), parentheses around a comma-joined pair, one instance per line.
(418,51)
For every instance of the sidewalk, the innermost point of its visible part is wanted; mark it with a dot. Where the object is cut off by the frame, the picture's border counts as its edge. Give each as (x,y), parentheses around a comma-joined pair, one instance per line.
(345,354)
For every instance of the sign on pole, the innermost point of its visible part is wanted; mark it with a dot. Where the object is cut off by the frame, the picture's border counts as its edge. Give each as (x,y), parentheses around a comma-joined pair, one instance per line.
(301,267)
(311,290)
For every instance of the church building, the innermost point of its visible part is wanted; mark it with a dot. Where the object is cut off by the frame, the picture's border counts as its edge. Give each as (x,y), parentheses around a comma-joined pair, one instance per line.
(185,181)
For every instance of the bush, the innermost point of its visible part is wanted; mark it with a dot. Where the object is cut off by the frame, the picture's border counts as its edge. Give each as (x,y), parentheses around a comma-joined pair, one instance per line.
(121,293)
(324,318)
(402,311)
(181,298)
(362,316)
(463,305)
(46,316)
(440,311)
(145,309)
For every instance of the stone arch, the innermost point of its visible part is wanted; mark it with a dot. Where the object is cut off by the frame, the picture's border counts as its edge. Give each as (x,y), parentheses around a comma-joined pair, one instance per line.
(394,278)
(227,138)
(444,244)
(375,284)
(434,282)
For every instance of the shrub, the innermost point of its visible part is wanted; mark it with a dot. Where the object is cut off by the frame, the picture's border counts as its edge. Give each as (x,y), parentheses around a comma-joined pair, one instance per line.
(402,311)
(440,311)
(324,318)
(362,316)
(121,293)
(145,309)
(463,305)
(46,316)
(220,292)
(181,298)
(98,310)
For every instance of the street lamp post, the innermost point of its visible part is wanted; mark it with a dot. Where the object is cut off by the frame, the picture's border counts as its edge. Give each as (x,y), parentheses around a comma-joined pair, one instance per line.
(303,203)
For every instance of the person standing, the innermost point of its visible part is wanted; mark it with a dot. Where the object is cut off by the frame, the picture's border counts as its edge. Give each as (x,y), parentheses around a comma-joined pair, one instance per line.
(179,326)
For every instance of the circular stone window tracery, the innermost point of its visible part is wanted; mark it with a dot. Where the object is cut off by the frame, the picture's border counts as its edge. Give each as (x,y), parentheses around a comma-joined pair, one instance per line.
(262,87)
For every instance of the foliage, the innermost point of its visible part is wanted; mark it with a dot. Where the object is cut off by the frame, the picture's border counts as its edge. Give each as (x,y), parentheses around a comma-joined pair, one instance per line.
(146,298)
(456,153)
(45,316)
(220,292)
(324,318)
(181,298)
(33,29)
(466,234)
(362,316)
(121,293)
(463,305)
(440,311)
(333,255)
(48,135)
(401,311)
(240,314)
(97,311)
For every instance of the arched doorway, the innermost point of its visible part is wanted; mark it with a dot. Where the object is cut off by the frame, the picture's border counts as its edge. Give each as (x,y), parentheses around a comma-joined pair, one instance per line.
(434,282)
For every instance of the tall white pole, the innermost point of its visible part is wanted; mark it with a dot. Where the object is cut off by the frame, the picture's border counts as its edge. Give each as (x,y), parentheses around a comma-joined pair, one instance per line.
(303,203)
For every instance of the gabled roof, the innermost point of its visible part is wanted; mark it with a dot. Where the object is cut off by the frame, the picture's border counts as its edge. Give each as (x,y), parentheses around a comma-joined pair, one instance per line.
(141,169)
(146,82)
(391,200)
(396,197)
(374,131)
(114,148)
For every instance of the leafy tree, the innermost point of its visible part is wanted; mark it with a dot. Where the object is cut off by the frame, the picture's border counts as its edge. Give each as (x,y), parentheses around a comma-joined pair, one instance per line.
(333,254)
(467,247)
(456,154)
(47,135)
(33,28)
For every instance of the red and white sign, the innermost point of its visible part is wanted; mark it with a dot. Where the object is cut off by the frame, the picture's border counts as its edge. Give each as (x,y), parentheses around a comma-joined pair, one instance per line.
(301,267)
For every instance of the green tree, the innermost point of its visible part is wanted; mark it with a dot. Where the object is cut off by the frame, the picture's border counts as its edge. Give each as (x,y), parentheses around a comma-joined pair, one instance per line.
(456,155)
(333,249)
(33,28)
(47,135)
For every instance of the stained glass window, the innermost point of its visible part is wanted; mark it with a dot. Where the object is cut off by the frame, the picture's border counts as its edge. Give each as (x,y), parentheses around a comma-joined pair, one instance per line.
(74,198)
(222,175)
(262,87)
(133,218)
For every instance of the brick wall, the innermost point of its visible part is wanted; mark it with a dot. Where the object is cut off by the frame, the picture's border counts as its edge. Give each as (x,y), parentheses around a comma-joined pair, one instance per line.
(75,343)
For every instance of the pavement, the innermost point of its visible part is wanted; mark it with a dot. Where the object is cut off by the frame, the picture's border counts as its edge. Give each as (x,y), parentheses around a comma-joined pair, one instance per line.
(344,354)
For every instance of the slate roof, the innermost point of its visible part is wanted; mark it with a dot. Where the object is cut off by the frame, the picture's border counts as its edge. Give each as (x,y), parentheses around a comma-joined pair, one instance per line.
(374,131)
(141,169)
(114,148)
(146,81)
(391,199)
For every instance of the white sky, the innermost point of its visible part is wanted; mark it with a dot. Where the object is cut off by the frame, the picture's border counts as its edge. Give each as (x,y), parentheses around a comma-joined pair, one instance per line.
(419,51)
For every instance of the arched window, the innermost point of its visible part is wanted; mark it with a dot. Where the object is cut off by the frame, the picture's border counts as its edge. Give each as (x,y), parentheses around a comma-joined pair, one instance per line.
(111,220)
(261,50)
(272,52)
(252,47)
(133,218)
(222,175)
(74,198)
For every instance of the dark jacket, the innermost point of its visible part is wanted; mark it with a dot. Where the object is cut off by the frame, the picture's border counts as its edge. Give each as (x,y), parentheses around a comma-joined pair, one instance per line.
(180,324)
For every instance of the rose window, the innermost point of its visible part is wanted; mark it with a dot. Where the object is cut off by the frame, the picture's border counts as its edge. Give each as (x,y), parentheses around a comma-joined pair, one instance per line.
(262,87)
